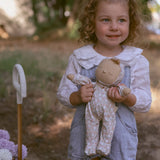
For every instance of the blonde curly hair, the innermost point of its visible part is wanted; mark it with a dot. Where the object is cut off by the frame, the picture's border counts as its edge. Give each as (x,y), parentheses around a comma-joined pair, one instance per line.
(87,20)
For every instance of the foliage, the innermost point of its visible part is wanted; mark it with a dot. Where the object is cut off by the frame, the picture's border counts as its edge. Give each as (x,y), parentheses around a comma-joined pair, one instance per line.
(154,6)
(146,13)
(48,14)
(53,14)
(73,34)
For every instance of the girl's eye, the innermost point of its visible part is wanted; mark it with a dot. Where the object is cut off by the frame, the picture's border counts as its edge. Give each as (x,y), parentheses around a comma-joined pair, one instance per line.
(105,20)
(122,20)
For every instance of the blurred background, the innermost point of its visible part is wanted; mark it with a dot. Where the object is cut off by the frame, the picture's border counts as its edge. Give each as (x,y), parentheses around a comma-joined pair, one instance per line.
(40,35)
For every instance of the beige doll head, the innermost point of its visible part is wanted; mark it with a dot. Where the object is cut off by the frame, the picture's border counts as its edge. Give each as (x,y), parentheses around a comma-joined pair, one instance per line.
(109,72)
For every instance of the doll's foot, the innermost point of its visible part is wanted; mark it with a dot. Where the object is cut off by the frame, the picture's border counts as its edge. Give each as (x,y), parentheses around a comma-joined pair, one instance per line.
(90,151)
(103,150)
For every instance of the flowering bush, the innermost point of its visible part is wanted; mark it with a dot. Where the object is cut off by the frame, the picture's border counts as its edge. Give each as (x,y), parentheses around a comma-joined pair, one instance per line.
(4,134)
(24,152)
(6,144)
(5,154)
(8,147)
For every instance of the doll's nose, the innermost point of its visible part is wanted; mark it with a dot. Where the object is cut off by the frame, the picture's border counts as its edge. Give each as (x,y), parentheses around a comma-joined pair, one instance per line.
(104,71)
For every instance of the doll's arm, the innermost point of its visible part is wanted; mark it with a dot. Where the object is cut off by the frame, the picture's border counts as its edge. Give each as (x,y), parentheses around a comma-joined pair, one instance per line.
(78,79)
(123,90)
(94,84)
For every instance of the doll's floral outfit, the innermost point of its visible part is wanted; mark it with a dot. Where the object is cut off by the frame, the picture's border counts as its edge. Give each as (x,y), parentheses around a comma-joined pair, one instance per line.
(101,108)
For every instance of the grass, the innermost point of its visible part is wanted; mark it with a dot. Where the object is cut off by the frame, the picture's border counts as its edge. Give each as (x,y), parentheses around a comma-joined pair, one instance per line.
(34,64)
(9,58)
(43,71)
(2,89)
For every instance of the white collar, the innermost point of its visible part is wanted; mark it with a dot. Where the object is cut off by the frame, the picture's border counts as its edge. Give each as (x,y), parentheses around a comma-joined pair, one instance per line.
(88,57)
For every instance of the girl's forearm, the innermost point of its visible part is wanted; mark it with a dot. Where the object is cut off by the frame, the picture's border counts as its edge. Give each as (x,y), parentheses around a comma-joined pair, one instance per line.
(75,98)
(130,100)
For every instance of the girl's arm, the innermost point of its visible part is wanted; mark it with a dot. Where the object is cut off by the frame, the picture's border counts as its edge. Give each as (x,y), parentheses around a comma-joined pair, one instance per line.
(140,84)
(66,87)
(130,100)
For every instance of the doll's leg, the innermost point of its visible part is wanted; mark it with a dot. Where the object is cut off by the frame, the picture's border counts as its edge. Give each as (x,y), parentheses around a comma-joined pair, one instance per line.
(106,135)
(92,132)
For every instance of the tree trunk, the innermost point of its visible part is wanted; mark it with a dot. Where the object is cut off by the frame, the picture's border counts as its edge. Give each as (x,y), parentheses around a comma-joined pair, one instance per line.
(34,12)
(48,12)
(76,9)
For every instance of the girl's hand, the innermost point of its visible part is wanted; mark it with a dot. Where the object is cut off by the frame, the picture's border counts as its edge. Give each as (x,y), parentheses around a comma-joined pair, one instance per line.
(86,93)
(114,95)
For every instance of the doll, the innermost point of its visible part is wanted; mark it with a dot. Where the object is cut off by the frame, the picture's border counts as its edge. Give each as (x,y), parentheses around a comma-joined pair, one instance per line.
(108,73)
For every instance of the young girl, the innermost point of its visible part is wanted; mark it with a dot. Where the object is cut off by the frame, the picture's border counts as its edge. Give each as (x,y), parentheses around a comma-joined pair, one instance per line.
(109,26)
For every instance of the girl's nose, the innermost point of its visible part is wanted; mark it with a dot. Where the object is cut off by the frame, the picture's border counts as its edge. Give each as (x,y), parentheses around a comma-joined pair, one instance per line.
(114,26)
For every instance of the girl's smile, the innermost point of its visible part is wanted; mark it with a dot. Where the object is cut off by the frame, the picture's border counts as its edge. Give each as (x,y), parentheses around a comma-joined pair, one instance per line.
(113,36)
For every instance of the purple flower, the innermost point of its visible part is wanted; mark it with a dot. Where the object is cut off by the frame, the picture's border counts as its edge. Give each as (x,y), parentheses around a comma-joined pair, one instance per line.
(4,134)
(24,152)
(5,144)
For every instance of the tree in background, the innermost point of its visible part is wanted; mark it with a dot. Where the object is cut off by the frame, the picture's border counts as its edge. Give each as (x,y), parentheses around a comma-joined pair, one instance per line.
(52,14)
(146,13)
(49,14)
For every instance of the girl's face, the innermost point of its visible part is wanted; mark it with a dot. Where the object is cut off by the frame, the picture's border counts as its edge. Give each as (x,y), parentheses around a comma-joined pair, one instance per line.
(111,24)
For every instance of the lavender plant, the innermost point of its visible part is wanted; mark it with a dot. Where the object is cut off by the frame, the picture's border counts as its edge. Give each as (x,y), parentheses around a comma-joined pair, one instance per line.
(8,148)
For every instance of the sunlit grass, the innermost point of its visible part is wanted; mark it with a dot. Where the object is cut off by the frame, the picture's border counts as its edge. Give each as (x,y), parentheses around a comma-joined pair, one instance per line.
(155,107)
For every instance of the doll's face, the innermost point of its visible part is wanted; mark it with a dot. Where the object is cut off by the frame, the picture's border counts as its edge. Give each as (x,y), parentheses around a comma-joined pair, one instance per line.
(108,71)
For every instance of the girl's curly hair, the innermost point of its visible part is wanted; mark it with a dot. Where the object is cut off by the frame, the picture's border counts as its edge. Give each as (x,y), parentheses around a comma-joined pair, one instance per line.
(87,20)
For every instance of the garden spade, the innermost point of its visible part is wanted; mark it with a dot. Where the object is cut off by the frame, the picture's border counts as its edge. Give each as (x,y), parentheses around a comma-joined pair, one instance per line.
(19,83)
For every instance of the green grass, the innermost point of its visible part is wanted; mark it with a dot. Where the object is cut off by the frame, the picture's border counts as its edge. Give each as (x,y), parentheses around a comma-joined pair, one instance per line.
(3,89)
(43,71)
(9,58)
(154,44)
(34,64)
